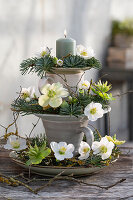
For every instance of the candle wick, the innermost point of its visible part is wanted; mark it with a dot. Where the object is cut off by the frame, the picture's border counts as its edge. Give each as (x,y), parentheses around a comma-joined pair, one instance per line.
(65,36)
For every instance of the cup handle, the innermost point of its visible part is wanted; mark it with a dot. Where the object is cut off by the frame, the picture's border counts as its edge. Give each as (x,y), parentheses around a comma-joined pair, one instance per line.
(44,80)
(89,135)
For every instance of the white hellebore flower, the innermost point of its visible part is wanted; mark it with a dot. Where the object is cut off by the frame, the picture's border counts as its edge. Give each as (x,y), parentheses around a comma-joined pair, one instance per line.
(60,62)
(85,52)
(62,150)
(84,85)
(52,95)
(94,111)
(44,51)
(15,143)
(84,150)
(28,93)
(108,109)
(103,148)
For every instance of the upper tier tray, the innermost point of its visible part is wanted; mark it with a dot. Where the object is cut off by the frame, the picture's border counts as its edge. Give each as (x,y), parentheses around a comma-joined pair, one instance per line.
(70,70)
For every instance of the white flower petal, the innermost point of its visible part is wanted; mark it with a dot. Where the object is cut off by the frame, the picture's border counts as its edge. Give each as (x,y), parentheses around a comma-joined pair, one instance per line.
(108,109)
(83,156)
(60,62)
(54,146)
(32,92)
(62,92)
(43,100)
(70,147)
(110,145)
(7,146)
(53,95)
(68,154)
(103,148)
(12,140)
(45,88)
(84,85)
(84,150)
(85,52)
(94,111)
(104,140)
(62,144)
(55,102)
(44,51)
(27,99)
(95,146)
(62,150)
(106,155)
(59,156)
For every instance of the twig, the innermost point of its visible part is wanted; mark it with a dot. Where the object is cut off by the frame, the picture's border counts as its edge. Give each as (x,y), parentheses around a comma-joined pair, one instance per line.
(128,197)
(11,124)
(14,181)
(15,123)
(102,76)
(34,125)
(120,181)
(108,114)
(37,179)
(79,81)
(58,177)
(66,84)
(22,176)
(96,130)
(119,95)
(49,183)
(2,126)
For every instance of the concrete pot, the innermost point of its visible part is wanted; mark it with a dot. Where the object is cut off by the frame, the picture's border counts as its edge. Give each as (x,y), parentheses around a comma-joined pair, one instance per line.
(73,77)
(69,129)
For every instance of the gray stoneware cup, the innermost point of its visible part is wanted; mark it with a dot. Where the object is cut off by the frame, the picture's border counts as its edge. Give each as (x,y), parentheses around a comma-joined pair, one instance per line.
(69,129)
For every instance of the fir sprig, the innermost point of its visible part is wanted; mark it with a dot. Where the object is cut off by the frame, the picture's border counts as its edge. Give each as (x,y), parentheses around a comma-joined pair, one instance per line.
(26,108)
(47,64)
(37,65)
(32,107)
(93,63)
(28,65)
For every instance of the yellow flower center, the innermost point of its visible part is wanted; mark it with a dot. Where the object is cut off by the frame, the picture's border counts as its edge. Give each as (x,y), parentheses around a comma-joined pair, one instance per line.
(93,111)
(84,53)
(84,84)
(43,53)
(103,149)
(62,150)
(51,93)
(25,95)
(86,149)
(15,144)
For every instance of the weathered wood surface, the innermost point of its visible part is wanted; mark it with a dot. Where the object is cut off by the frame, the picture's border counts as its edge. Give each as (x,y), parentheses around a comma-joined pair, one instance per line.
(64,190)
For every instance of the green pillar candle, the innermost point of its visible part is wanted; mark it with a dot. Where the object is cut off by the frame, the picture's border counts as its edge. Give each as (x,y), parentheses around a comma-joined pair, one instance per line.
(65,46)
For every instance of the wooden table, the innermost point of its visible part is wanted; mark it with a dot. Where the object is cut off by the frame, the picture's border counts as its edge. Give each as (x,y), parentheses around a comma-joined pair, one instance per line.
(64,190)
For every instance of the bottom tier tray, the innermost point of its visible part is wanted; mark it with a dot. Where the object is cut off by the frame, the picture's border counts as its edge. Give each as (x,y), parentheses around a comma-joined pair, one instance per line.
(54,170)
